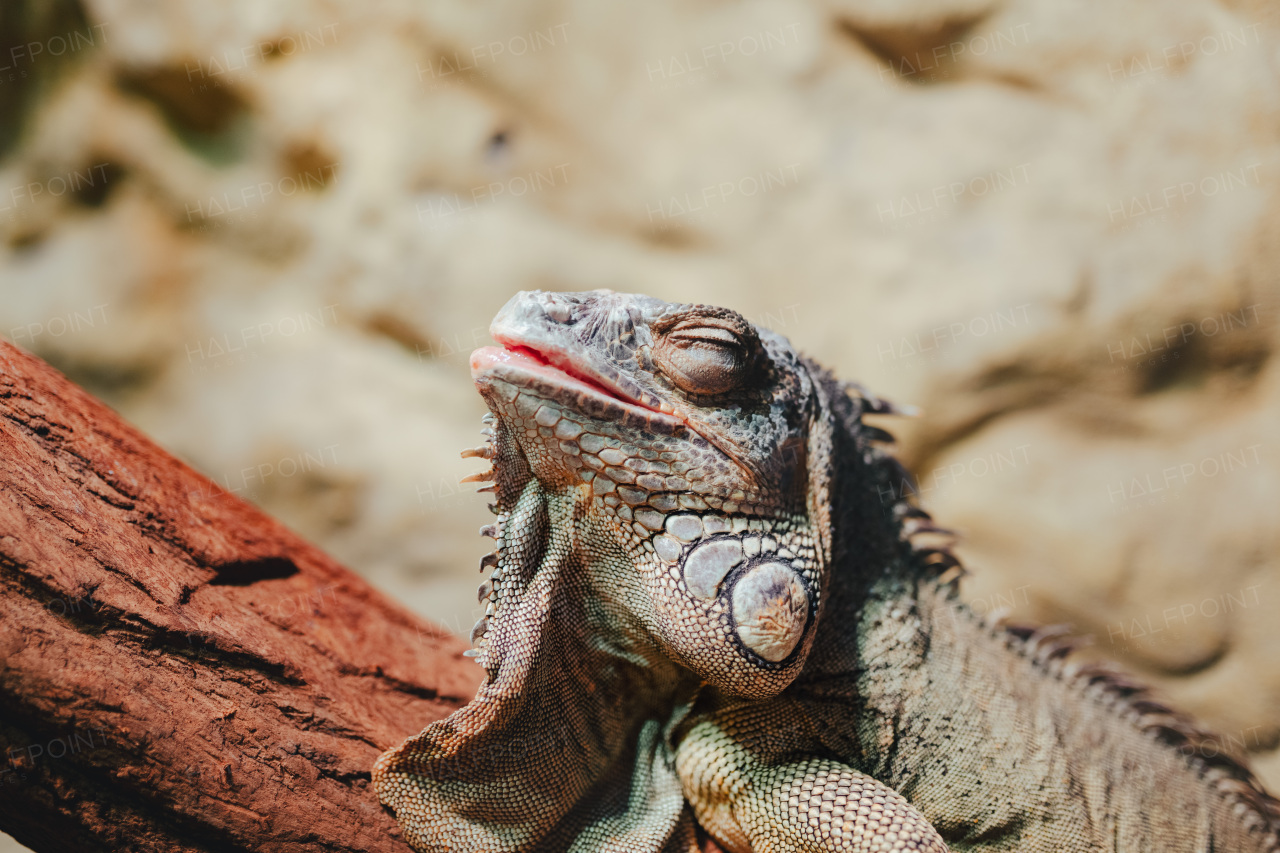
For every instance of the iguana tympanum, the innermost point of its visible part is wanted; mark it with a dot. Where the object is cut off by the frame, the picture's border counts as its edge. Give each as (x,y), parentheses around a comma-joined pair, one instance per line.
(705,613)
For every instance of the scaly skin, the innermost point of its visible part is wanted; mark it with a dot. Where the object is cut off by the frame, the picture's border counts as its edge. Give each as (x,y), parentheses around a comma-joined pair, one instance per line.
(704,613)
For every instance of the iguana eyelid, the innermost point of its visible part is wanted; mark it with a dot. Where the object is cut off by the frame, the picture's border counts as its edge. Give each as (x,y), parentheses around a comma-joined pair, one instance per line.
(704,334)
(699,366)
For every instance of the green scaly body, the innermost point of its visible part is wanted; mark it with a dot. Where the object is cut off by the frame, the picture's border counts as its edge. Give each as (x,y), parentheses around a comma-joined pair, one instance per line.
(705,618)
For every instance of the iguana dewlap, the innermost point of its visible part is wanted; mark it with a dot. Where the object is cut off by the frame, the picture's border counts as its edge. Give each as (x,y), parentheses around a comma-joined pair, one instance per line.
(704,612)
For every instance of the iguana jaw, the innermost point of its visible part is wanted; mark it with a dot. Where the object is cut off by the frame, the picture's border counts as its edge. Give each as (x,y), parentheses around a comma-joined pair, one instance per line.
(572,383)
(530,359)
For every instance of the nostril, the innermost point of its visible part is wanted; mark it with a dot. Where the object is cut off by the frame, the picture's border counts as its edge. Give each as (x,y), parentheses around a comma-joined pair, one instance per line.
(557,311)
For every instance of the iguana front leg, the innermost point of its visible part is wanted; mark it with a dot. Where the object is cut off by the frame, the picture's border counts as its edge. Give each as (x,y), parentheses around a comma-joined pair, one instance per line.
(754,800)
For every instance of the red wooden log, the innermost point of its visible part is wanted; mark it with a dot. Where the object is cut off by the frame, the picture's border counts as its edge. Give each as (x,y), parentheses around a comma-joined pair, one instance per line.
(179,671)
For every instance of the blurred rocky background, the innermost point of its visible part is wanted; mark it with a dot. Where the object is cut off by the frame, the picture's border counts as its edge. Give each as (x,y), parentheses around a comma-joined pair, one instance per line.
(271,233)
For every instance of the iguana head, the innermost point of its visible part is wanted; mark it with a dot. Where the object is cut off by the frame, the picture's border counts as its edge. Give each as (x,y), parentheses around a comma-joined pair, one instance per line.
(692,447)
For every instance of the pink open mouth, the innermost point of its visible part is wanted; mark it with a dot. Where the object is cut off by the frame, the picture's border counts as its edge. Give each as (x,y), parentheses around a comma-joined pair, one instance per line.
(525,367)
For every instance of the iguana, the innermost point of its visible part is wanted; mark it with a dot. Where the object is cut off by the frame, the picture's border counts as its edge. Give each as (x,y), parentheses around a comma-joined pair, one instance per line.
(710,614)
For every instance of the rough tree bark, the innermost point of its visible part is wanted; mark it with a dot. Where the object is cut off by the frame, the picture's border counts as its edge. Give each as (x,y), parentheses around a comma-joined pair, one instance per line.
(178,671)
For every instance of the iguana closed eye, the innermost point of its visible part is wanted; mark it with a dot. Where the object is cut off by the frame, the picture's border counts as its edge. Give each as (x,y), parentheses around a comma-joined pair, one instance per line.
(702,613)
